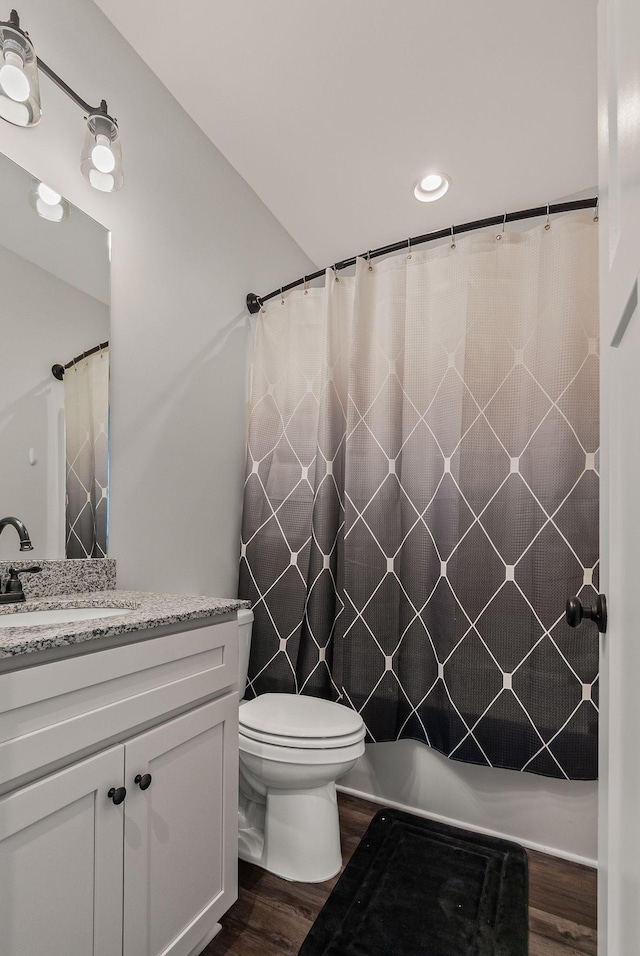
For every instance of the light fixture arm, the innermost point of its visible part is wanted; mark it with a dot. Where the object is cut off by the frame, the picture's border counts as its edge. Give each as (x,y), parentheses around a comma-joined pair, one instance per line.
(60,83)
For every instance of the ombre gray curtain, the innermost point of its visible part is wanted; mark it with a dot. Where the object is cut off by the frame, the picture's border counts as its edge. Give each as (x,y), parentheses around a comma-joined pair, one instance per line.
(421,497)
(86,413)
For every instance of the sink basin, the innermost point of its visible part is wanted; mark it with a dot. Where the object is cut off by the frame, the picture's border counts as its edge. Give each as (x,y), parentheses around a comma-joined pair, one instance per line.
(58,615)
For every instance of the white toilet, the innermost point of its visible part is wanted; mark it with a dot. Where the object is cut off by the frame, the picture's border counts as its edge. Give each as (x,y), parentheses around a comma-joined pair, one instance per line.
(292,750)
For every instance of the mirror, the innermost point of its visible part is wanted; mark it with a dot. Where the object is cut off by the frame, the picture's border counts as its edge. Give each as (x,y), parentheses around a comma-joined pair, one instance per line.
(54,305)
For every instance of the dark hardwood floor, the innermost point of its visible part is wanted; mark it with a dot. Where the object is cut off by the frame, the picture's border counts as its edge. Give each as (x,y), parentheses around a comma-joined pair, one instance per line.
(273,916)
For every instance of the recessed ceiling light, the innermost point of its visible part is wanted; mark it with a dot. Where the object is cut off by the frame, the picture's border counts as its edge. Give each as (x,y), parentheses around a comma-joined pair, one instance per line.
(431,187)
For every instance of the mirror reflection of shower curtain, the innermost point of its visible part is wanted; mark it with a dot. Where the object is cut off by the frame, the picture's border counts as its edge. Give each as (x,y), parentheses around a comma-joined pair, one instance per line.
(422,496)
(86,410)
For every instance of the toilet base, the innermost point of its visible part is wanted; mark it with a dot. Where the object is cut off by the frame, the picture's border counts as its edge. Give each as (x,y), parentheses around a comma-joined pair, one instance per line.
(301,836)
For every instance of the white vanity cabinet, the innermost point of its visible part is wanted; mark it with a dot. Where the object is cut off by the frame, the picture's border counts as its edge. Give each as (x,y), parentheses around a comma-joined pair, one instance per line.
(61,863)
(177,832)
(81,875)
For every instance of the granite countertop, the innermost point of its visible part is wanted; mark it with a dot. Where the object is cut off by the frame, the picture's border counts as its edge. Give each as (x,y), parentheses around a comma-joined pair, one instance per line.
(140,611)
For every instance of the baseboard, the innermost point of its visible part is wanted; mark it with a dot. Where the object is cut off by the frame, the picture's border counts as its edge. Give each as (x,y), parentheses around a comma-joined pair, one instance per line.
(204,942)
(550,850)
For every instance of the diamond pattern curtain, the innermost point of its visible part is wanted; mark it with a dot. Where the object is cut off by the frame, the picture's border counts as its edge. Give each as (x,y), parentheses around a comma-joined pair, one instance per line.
(422,497)
(86,413)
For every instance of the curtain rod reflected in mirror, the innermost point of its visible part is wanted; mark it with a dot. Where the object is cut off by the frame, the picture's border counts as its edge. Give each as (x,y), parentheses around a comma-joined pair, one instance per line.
(58,370)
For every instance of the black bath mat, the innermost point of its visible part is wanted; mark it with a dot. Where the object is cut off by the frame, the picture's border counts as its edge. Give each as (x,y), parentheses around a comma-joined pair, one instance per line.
(418,888)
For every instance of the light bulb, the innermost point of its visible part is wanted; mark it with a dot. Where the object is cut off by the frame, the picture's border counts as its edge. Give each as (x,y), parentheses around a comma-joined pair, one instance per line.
(48,195)
(102,181)
(48,203)
(14,82)
(102,156)
(54,212)
(429,183)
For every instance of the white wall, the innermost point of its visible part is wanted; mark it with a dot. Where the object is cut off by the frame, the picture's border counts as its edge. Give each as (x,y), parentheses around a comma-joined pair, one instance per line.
(44,320)
(190,239)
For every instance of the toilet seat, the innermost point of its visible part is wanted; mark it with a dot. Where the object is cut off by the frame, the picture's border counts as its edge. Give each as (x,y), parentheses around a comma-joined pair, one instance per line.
(304,743)
(304,723)
(300,756)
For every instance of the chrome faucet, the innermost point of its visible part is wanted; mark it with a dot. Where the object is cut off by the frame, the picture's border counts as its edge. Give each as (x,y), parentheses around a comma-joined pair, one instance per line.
(23,534)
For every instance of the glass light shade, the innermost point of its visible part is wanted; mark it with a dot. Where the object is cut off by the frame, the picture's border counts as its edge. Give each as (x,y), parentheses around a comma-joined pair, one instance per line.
(19,85)
(48,204)
(101,161)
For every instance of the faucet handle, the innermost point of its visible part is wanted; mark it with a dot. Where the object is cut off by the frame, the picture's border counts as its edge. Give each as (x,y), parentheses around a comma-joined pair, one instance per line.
(14,585)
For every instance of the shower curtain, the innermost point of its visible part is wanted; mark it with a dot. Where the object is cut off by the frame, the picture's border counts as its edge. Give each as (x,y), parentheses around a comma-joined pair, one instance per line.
(421,496)
(86,413)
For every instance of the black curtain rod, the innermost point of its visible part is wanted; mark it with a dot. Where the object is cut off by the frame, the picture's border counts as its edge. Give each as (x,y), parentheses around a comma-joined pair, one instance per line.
(254,302)
(58,370)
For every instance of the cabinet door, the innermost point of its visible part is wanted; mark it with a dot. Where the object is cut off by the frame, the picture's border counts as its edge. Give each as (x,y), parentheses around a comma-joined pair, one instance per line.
(181,832)
(61,862)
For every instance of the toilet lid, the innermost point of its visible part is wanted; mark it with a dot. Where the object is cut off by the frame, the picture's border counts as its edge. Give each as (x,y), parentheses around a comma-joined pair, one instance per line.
(292,716)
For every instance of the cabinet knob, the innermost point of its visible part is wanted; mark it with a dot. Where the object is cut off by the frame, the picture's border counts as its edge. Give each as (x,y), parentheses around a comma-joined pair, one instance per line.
(143,781)
(117,795)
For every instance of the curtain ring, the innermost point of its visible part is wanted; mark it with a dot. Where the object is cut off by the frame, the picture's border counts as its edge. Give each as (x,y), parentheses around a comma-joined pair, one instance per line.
(335,272)
(453,238)
(304,285)
(408,248)
(596,217)
(281,296)
(548,224)
(369,261)
(501,234)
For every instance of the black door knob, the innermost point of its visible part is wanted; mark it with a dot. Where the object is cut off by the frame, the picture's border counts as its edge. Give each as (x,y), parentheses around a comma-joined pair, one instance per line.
(117,795)
(576,612)
(143,781)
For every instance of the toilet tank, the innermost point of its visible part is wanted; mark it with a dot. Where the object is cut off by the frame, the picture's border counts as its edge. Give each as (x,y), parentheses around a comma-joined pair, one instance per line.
(245,623)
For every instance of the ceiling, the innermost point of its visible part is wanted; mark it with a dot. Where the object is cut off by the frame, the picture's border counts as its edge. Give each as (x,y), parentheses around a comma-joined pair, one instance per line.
(331,111)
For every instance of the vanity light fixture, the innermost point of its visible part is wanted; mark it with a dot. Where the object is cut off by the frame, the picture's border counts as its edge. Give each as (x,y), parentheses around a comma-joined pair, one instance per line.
(101,159)
(431,187)
(48,203)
